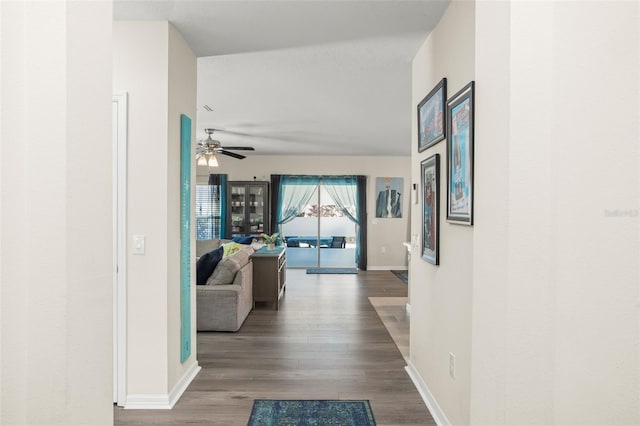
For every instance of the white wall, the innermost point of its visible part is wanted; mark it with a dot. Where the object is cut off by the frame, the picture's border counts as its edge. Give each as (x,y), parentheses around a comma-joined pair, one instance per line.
(388,233)
(157,69)
(55,239)
(556,256)
(441,296)
(144,76)
(182,100)
(549,273)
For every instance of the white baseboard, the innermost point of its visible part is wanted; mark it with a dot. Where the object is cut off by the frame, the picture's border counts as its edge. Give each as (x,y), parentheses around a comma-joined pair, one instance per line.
(183,383)
(436,412)
(387,268)
(163,401)
(147,402)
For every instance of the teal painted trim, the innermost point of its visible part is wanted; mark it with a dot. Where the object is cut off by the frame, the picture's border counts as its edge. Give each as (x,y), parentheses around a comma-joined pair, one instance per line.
(338,180)
(185,237)
(300,179)
(223,202)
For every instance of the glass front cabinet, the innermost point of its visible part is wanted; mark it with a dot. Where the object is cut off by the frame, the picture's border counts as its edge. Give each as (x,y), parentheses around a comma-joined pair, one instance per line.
(247,208)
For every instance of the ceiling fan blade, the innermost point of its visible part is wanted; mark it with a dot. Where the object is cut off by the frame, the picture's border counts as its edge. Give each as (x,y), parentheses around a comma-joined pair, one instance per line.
(241,148)
(232,154)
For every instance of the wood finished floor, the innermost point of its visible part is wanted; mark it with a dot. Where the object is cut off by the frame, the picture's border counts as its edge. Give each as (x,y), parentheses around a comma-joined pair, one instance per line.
(325,342)
(393,313)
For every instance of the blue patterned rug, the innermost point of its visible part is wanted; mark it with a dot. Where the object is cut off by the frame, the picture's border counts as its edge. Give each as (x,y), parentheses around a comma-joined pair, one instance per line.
(332,271)
(268,412)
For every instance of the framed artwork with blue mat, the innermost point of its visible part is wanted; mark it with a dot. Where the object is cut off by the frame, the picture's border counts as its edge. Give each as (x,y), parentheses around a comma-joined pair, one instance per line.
(270,412)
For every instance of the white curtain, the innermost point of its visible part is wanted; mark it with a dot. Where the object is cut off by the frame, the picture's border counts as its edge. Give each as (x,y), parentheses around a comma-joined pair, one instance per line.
(345,196)
(295,193)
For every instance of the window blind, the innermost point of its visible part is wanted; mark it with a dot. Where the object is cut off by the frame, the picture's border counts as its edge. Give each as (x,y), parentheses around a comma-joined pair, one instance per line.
(208,212)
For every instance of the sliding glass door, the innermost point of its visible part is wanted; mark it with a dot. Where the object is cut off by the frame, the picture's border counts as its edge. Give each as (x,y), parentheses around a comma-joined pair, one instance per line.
(321,235)
(301,235)
(337,234)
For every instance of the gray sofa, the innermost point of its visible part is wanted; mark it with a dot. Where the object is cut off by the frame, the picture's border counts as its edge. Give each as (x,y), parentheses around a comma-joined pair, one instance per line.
(225,301)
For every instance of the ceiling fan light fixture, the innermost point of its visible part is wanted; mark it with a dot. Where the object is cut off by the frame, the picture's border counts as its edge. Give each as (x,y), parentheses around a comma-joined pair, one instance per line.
(201,160)
(207,148)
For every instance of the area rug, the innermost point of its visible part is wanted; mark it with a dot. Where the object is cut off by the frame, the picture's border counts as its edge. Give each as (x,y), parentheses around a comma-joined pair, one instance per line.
(403,275)
(332,271)
(269,412)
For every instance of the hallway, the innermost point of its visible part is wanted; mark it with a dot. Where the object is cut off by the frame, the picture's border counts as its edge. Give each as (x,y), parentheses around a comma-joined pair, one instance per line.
(326,342)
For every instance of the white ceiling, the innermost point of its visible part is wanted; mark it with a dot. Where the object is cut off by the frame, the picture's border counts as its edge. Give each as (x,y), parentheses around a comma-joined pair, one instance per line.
(302,77)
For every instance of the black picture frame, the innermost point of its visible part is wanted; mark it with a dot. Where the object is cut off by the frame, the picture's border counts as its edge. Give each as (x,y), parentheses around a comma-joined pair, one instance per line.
(460,140)
(431,116)
(430,178)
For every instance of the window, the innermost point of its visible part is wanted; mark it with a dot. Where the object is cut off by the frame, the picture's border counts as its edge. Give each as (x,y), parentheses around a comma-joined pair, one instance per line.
(208,212)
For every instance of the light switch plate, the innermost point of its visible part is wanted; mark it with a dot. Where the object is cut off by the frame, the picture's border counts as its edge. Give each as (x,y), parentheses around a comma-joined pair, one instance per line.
(452,365)
(138,244)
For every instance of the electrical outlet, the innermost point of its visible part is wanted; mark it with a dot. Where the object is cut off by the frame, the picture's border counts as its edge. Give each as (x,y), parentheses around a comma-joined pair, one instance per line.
(452,365)
(383,249)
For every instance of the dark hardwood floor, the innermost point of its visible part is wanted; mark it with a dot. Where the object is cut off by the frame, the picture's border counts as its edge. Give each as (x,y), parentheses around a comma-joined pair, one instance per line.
(325,342)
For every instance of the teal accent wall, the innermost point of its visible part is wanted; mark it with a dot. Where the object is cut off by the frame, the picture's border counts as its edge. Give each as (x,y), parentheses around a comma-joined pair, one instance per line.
(185,237)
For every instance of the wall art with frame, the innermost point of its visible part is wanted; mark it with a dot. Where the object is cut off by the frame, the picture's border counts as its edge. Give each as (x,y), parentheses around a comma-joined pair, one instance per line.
(430,175)
(460,113)
(431,111)
(389,199)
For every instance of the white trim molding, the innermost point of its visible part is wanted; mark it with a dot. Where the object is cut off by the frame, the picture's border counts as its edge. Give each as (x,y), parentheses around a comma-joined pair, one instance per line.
(184,383)
(387,268)
(163,401)
(436,412)
(147,402)
(120,132)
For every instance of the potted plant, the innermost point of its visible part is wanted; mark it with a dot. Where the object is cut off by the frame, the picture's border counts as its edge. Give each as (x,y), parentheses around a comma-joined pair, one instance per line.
(270,240)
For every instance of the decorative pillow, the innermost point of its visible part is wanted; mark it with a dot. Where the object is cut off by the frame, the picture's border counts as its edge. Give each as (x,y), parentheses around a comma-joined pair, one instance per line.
(206,265)
(242,256)
(242,240)
(225,272)
(229,266)
(231,248)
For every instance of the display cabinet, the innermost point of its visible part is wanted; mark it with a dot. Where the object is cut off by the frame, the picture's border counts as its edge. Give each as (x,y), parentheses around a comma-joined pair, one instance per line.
(247,208)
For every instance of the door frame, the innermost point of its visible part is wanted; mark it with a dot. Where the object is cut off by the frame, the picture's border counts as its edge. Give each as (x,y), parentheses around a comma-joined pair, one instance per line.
(120,123)
(318,198)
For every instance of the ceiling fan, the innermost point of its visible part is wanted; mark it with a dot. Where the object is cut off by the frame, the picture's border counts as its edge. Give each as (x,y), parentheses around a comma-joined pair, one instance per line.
(208,148)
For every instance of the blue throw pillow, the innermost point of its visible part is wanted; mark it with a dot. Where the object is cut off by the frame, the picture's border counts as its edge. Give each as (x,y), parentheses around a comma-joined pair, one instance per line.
(242,240)
(206,264)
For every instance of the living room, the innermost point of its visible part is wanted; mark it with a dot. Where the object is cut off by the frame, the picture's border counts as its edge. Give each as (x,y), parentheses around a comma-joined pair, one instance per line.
(141,78)
(519,297)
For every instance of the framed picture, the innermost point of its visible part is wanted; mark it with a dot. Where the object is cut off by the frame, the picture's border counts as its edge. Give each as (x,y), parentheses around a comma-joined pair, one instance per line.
(460,156)
(431,128)
(430,175)
(389,197)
